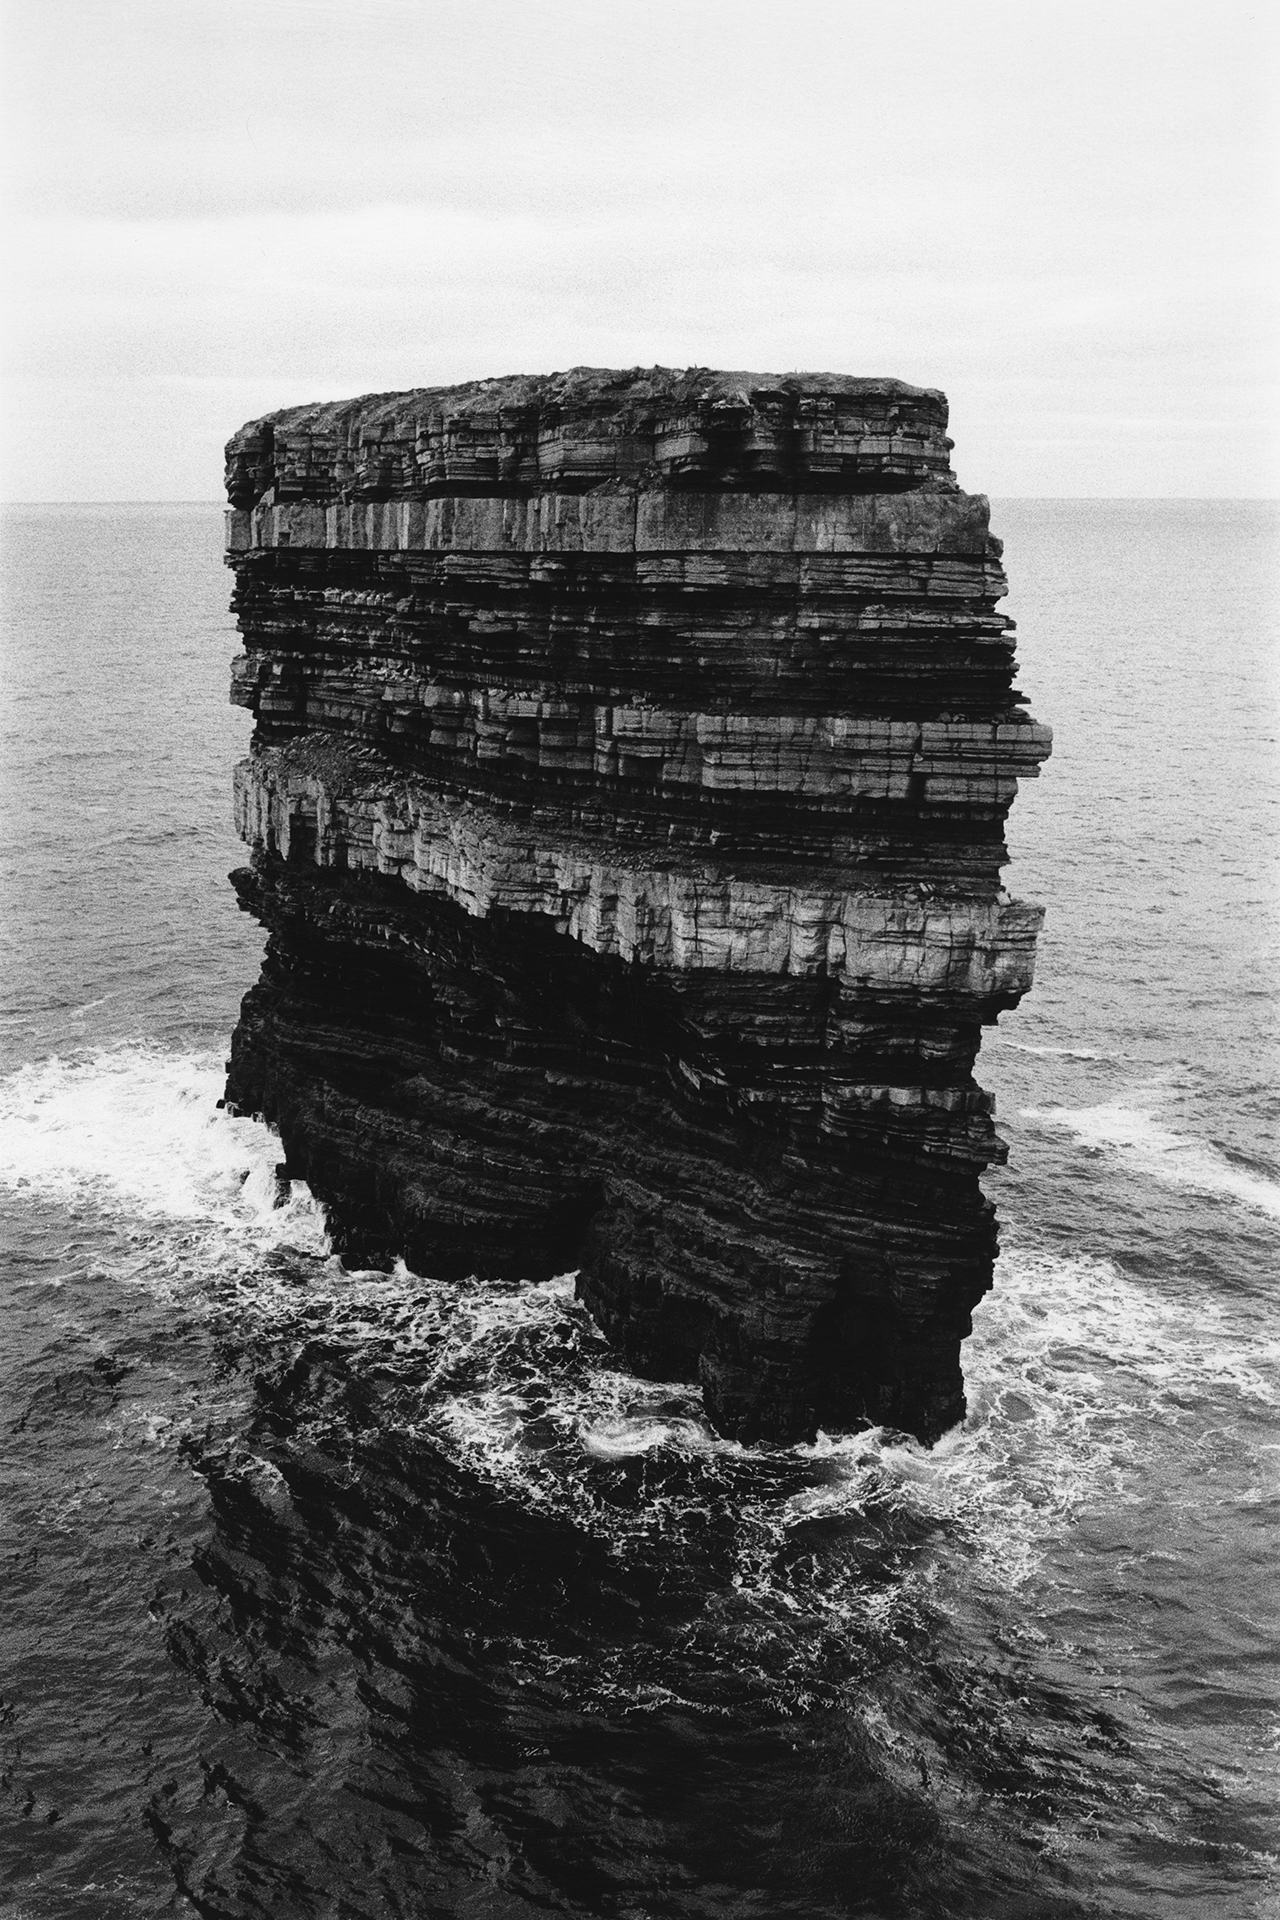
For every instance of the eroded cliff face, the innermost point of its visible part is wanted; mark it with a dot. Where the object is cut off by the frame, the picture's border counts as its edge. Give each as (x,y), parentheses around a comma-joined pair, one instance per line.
(626,803)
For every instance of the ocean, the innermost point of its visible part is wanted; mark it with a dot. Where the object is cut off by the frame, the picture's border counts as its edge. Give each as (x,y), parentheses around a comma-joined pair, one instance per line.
(363,1595)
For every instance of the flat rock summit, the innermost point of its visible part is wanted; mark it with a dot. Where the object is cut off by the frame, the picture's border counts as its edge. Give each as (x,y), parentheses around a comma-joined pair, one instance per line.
(626,804)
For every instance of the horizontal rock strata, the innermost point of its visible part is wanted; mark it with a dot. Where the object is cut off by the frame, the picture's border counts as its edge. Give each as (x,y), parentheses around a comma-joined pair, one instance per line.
(579,431)
(627,798)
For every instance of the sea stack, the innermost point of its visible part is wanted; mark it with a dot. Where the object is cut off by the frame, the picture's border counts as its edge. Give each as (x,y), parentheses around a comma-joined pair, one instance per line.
(627,802)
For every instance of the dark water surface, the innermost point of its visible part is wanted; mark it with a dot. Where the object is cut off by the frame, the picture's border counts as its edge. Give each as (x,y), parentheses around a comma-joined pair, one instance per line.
(363,1595)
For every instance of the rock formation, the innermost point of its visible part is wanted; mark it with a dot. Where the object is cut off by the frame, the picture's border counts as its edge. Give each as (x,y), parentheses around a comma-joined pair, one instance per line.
(626,803)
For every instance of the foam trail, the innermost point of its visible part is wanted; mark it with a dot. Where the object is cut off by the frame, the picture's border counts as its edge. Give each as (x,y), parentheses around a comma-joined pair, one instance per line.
(1054,1053)
(1155,1150)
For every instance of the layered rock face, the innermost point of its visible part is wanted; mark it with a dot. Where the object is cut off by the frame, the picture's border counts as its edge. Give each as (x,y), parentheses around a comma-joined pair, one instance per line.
(626,803)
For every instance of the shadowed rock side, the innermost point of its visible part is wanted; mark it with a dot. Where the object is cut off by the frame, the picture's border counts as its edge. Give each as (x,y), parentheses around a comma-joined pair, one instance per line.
(626,804)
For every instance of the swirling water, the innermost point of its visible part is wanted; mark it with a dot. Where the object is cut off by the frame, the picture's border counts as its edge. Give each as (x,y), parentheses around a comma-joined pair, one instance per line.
(364,1595)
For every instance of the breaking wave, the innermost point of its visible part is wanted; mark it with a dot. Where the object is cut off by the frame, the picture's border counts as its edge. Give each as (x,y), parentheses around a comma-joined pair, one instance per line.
(1071,1360)
(1155,1150)
(140,1128)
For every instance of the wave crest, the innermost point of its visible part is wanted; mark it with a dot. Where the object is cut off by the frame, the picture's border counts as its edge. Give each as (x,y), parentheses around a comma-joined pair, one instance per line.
(1155,1150)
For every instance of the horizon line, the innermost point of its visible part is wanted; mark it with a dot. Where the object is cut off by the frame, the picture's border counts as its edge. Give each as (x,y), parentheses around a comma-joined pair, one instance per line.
(144,501)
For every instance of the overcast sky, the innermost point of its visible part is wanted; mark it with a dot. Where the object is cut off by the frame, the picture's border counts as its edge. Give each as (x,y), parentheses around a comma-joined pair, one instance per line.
(1061,212)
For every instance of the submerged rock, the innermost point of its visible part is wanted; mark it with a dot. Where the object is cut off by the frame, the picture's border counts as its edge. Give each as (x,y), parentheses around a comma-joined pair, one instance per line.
(626,803)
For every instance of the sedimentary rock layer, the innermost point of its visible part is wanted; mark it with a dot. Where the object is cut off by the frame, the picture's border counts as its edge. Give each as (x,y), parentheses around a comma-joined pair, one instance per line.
(627,800)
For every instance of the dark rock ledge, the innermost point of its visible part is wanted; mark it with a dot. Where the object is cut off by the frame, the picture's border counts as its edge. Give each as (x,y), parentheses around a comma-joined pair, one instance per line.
(626,803)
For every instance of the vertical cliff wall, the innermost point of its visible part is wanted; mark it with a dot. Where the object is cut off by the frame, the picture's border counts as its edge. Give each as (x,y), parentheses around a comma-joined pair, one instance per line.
(626,803)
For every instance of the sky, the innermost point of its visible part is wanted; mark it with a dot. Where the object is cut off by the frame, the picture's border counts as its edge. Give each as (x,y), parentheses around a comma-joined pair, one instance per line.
(1061,212)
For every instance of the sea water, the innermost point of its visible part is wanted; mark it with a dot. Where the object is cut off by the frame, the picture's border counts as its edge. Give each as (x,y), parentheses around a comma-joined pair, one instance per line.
(364,1594)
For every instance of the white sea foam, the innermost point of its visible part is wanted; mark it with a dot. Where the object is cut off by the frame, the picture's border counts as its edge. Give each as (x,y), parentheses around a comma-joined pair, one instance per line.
(1073,1368)
(1076,1375)
(1045,1052)
(1153,1149)
(139,1128)
(1076,1372)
